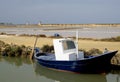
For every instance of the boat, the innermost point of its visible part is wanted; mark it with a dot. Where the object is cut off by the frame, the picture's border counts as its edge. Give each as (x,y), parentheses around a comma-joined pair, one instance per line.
(68,58)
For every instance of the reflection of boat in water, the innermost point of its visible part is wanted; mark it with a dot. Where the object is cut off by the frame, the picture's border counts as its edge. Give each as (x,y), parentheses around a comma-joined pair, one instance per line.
(68,58)
(67,76)
(113,76)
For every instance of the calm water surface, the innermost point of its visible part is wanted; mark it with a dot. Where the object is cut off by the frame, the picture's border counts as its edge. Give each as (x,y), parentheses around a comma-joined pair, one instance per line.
(22,70)
(98,32)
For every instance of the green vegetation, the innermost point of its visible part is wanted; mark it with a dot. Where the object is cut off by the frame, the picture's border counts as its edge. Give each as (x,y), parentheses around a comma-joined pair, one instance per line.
(47,48)
(91,52)
(116,59)
(13,50)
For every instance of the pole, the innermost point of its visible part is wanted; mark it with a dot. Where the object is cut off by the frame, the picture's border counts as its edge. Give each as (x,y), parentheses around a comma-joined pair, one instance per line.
(31,55)
(77,42)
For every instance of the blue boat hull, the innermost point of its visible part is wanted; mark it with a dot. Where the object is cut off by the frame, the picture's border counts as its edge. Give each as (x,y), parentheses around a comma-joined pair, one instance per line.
(96,64)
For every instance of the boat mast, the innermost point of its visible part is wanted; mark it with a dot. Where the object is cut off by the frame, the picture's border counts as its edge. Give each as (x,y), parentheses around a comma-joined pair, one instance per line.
(77,42)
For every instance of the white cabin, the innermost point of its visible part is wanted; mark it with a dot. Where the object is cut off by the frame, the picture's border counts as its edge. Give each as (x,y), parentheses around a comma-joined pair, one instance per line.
(65,49)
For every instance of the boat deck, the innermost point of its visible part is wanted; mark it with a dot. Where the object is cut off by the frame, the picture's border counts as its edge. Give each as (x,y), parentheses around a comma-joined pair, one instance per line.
(48,57)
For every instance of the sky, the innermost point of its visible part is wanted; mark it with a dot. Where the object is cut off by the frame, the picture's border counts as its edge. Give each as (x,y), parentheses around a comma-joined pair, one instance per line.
(60,11)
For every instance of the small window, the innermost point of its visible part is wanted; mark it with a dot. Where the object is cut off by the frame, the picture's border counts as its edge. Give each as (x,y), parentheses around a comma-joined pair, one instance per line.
(68,45)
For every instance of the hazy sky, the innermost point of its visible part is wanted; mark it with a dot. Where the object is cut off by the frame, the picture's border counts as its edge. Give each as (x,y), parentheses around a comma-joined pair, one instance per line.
(60,11)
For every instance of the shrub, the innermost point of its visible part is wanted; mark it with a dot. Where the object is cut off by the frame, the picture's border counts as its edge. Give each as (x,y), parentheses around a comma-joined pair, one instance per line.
(2,44)
(2,33)
(16,51)
(91,52)
(118,38)
(94,51)
(41,35)
(47,48)
(111,39)
(8,51)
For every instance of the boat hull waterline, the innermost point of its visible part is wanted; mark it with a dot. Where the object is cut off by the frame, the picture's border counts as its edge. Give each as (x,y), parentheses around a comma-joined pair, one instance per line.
(95,64)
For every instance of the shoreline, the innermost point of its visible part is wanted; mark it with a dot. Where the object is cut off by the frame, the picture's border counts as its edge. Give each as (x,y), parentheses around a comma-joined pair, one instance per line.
(61,25)
(83,43)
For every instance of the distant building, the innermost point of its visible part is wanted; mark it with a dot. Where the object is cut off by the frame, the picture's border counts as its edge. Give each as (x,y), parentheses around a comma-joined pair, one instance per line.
(27,23)
(39,23)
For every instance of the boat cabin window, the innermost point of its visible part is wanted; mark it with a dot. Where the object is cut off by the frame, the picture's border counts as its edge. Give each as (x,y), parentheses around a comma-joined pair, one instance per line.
(68,45)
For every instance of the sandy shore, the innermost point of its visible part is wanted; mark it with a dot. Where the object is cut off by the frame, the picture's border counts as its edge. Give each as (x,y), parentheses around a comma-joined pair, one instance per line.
(84,44)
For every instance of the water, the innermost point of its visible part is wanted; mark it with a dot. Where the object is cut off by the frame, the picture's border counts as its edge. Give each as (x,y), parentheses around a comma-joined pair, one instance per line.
(98,32)
(24,70)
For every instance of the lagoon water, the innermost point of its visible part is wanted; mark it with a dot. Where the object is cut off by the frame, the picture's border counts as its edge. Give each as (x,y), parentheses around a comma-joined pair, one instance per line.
(23,70)
(84,32)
